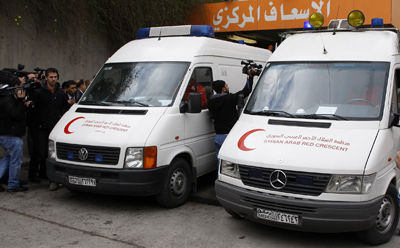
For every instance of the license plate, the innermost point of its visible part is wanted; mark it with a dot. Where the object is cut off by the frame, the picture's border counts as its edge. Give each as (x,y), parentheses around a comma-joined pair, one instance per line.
(82,181)
(277,216)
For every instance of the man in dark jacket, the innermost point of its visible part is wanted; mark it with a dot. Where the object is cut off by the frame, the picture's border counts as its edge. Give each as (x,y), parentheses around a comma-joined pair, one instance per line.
(12,128)
(223,108)
(50,103)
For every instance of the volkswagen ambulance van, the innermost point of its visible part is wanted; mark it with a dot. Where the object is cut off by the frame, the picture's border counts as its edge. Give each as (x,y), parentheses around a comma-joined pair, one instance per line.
(143,127)
(315,145)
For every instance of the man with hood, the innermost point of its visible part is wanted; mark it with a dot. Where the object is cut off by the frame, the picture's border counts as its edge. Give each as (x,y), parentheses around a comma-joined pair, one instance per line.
(50,103)
(223,108)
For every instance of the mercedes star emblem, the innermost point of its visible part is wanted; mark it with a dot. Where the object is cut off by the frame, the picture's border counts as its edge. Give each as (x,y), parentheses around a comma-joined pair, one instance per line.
(278,179)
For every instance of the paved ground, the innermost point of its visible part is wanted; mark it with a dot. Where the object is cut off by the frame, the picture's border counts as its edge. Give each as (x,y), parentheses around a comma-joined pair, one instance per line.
(41,218)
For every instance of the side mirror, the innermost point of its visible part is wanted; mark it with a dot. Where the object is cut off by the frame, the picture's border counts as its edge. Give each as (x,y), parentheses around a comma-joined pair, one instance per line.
(183,107)
(394,120)
(194,103)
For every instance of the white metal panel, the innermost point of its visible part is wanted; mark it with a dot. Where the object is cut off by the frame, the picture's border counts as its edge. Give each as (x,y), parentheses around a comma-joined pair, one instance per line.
(185,49)
(341,149)
(108,130)
(342,46)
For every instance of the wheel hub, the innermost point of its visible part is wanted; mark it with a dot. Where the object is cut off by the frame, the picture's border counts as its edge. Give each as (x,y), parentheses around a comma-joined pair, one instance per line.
(385,216)
(178,183)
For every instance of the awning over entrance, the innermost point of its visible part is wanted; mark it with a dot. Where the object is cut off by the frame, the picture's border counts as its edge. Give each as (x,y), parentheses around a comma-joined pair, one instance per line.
(259,22)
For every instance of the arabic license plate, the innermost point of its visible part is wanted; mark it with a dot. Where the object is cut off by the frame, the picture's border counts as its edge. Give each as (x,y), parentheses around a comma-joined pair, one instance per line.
(277,216)
(82,181)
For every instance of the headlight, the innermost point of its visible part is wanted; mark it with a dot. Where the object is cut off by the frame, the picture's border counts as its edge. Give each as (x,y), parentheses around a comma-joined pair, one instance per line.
(145,158)
(355,184)
(230,169)
(133,158)
(52,150)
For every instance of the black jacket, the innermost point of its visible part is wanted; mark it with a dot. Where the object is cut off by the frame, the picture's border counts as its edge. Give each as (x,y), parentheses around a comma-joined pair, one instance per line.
(48,106)
(12,115)
(223,108)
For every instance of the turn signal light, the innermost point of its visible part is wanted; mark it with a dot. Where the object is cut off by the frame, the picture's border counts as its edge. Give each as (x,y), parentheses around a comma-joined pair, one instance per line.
(150,157)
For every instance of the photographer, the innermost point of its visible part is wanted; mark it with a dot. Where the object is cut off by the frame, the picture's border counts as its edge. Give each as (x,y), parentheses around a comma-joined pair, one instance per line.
(223,106)
(12,128)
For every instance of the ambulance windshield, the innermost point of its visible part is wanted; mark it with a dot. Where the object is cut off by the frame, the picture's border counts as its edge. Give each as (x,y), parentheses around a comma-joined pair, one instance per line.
(149,84)
(337,90)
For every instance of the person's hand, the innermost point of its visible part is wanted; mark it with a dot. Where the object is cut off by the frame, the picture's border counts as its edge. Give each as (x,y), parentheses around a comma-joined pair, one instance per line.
(19,94)
(71,101)
(397,159)
(249,72)
(28,103)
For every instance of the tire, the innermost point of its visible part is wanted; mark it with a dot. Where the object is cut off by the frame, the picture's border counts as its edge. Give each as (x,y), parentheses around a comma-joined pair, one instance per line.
(233,214)
(386,220)
(176,186)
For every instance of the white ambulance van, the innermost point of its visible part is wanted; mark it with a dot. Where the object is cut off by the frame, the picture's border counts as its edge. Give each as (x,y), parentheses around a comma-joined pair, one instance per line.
(315,145)
(143,127)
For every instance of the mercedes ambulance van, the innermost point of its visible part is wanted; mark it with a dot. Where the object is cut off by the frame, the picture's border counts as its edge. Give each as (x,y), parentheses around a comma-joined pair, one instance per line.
(143,127)
(315,145)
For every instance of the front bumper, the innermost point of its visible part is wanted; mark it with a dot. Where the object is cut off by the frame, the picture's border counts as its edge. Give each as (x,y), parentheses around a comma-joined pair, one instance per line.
(109,181)
(314,216)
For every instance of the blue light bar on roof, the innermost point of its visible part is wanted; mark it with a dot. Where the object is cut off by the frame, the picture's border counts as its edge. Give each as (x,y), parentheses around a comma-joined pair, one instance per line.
(170,31)
(143,33)
(377,23)
(307,25)
(202,30)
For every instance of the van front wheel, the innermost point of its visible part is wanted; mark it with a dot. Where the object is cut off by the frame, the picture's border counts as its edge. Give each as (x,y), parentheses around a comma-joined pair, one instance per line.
(386,221)
(176,186)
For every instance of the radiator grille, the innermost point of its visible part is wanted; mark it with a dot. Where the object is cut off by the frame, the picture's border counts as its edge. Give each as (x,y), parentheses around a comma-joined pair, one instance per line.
(297,182)
(96,154)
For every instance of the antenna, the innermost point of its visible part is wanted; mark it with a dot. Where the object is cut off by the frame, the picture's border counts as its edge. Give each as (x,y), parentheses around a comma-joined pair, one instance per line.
(159,36)
(325,51)
(337,14)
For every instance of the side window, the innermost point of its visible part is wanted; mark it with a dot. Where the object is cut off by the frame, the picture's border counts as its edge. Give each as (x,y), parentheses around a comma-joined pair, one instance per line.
(200,82)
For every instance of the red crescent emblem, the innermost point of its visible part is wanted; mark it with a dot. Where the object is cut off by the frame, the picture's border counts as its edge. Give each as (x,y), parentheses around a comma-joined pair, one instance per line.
(242,139)
(69,124)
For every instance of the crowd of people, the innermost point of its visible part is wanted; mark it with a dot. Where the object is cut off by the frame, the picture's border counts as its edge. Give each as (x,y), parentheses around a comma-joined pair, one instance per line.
(36,110)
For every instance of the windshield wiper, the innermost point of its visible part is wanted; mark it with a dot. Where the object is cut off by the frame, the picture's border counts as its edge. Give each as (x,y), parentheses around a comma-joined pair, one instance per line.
(322,116)
(132,101)
(94,103)
(273,113)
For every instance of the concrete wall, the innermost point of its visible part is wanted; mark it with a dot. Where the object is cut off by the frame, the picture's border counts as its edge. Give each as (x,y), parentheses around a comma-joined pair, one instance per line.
(78,56)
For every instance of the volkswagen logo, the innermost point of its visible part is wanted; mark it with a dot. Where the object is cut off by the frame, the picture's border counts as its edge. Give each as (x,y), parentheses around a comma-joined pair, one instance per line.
(83,154)
(278,179)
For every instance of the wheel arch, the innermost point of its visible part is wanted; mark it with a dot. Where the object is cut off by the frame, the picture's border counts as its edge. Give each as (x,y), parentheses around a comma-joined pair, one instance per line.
(384,181)
(189,159)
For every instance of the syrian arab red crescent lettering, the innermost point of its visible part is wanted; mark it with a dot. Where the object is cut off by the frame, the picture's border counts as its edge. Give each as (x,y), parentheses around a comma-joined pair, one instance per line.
(69,124)
(243,138)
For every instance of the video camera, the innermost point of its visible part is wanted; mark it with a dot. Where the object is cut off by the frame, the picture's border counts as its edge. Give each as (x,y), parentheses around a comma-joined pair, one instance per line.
(40,73)
(7,73)
(250,65)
